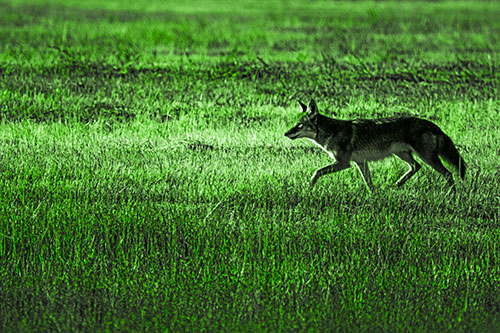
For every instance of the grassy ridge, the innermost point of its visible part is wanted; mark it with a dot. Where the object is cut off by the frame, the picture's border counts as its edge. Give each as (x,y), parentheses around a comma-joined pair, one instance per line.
(146,182)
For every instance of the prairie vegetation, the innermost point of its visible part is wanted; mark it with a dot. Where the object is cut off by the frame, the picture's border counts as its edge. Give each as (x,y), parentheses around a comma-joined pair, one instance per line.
(146,182)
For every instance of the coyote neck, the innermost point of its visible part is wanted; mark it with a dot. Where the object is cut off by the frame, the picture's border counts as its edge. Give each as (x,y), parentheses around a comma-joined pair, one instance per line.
(329,130)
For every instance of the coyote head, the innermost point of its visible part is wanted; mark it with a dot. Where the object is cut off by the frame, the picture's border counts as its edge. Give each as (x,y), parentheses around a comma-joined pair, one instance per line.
(307,125)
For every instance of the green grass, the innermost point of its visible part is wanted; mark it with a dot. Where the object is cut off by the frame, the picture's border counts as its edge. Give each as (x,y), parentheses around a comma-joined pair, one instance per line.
(146,183)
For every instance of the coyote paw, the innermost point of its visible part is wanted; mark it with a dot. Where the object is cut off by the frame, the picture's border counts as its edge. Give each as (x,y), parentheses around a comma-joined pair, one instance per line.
(314,179)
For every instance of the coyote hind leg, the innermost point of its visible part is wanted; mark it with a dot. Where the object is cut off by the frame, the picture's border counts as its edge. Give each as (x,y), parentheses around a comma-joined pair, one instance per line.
(414,166)
(434,161)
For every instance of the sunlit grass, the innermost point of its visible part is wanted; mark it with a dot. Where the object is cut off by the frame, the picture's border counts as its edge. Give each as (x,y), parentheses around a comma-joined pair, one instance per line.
(147,184)
(229,210)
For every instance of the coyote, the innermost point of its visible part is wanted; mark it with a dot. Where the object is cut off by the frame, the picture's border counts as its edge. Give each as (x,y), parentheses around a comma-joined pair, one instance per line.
(366,140)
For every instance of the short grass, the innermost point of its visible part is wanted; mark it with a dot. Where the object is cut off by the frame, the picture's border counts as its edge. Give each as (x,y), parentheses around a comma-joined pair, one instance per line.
(146,183)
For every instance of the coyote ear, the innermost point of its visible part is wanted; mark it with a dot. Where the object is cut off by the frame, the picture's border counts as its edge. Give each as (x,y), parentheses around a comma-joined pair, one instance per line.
(303,106)
(313,108)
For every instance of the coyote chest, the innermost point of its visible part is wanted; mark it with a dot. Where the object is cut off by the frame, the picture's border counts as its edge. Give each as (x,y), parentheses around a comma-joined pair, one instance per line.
(331,152)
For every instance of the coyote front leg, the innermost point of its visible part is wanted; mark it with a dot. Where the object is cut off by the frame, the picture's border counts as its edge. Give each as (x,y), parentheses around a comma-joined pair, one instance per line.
(337,166)
(414,167)
(365,173)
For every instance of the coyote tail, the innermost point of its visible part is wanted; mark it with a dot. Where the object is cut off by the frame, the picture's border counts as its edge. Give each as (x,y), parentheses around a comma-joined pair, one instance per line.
(449,153)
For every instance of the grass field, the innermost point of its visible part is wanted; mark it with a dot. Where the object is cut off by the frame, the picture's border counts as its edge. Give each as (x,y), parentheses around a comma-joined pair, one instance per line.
(146,184)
